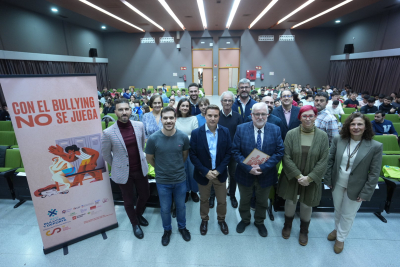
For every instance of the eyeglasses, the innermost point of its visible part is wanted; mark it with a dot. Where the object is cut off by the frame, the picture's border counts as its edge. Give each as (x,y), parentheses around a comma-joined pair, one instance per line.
(227,101)
(269,102)
(244,87)
(308,117)
(286,96)
(260,114)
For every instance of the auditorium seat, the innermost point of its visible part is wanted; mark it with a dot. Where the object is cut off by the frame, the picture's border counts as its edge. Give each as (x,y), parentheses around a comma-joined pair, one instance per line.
(393,118)
(397,127)
(371,117)
(13,161)
(348,110)
(393,185)
(112,115)
(150,87)
(6,126)
(7,138)
(21,187)
(101,115)
(344,117)
(390,145)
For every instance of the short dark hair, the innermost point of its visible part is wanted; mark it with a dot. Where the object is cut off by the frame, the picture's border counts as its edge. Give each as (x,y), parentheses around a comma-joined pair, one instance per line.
(389,98)
(365,93)
(368,133)
(168,109)
(136,101)
(381,112)
(335,102)
(172,91)
(323,94)
(149,91)
(121,101)
(178,112)
(146,108)
(183,89)
(212,106)
(73,147)
(366,97)
(203,100)
(163,84)
(194,84)
(371,100)
(381,96)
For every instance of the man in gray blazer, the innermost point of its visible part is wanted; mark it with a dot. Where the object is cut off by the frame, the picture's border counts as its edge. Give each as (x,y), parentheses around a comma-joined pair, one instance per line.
(122,147)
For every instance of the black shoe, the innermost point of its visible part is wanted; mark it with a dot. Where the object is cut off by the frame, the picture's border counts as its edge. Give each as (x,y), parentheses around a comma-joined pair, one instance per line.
(185,234)
(166,237)
(224,227)
(203,227)
(187,197)
(137,231)
(262,230)
(211,202)
(174,213)
(234,202)
(241,227)
(195,197)
(142,221)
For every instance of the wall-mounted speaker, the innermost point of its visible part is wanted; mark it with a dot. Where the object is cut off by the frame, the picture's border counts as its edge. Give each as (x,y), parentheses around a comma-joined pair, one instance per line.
(93,52)
(348,48)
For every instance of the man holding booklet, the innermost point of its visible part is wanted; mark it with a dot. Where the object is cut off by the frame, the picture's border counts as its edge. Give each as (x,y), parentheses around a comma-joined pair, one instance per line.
(264,151)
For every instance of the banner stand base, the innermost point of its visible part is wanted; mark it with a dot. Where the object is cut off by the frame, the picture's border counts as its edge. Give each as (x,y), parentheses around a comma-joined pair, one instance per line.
(65,245)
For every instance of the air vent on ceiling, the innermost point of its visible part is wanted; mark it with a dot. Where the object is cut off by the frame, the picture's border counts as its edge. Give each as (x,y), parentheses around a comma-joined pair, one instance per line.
(149,40)
(188,16)
(143,24)
(111,5)
(286,38)
(265,38)
(166,40)
(64,17)
(293,20)
(246,15)
(218,1)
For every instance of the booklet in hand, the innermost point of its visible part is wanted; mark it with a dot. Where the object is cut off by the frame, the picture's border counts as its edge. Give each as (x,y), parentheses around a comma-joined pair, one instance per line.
(256,157)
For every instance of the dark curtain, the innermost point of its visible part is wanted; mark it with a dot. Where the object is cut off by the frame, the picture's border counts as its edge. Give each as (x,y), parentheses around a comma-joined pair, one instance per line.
(10,67)
(375,75)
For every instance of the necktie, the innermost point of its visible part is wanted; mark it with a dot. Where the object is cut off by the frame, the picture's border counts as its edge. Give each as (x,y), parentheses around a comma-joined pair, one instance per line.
(259,140)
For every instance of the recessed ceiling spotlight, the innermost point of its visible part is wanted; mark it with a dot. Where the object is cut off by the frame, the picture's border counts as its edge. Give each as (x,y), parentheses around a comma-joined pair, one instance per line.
(103,27)
(337,21)
(54,9)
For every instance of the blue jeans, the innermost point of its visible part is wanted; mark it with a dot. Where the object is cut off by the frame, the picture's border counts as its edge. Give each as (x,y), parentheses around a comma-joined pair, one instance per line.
(191,184)
(165,192)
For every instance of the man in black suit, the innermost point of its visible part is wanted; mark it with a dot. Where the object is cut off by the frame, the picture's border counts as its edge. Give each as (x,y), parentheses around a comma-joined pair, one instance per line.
(287,113)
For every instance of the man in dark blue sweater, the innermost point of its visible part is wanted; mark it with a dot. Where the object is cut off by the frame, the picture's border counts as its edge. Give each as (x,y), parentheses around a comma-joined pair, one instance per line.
(244,103)
(229,119)
(382,126)
(370,107)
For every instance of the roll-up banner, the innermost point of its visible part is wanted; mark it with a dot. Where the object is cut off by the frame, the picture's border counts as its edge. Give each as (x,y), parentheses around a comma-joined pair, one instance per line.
(57,125)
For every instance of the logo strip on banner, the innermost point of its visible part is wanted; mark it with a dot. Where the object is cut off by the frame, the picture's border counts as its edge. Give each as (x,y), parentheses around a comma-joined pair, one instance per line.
(56,120)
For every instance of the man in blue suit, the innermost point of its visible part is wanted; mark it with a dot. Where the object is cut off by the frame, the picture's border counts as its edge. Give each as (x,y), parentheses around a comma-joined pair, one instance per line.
(287,113)
(244,103)
(210,153)
(267,138)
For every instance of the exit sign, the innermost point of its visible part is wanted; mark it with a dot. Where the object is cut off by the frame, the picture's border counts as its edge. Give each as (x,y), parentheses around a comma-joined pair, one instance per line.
(258,67)
(229,65)
(203,65)
(183,68)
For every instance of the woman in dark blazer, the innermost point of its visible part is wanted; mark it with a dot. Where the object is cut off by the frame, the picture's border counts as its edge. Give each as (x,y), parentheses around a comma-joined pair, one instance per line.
(354,165)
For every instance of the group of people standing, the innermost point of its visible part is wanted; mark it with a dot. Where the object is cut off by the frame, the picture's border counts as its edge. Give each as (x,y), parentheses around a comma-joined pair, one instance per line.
(193,154)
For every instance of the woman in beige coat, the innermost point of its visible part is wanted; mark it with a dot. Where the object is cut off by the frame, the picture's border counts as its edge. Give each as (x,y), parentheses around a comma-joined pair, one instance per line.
(304,165)
(354,166)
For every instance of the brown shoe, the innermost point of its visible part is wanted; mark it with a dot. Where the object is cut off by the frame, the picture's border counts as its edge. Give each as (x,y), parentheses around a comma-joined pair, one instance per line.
(224,227)
(338,247)
(203,227)
(303,237)
(287,227)
(332,236)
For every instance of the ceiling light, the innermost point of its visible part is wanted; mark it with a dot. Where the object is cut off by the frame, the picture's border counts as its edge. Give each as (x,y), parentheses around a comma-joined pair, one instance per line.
(171,13)
(338,21)
(54,9)
(103,27)
(323,13)
(110,14)
(141,14)
(273,2)
(233,12)
(202,13)
(296,10)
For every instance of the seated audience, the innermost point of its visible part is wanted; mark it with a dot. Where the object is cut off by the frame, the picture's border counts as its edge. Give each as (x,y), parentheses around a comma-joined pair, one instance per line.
(309,100)
(108,108)
(382,126)
(127,94)
(352,102)
(369,107)
(334,108)
(364,101)
(379,101)
(387,106)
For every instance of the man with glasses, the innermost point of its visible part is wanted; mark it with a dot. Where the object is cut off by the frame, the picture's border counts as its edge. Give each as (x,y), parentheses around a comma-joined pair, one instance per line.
(229,119)
(265,137)
(244,102)
(287,113)
(271,118)
(325,121)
